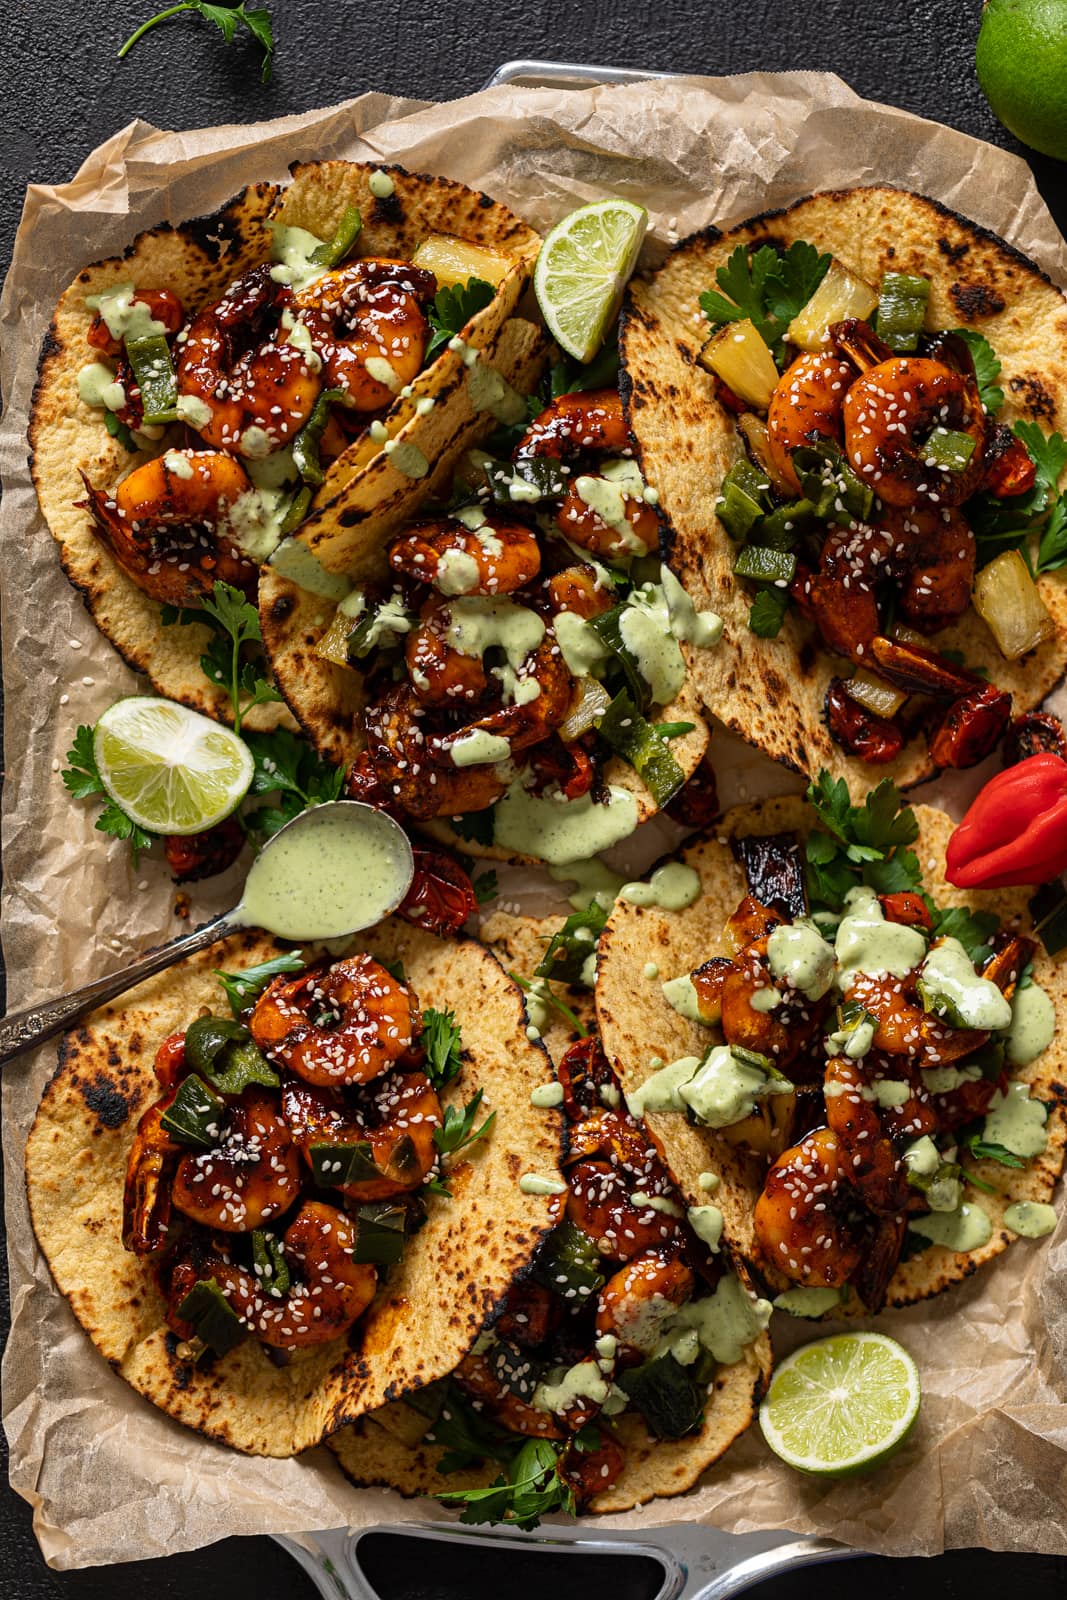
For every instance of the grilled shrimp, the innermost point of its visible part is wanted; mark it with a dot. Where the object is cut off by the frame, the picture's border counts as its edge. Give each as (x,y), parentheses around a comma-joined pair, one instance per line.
(240,373)
(635,1300)
(497,557)
(800,1219)
(871,1136)
(888,414)
(250,1176)
(393,1117)
(368,328)
(602,1205)
(337,1025)
(591,423)
(166,524)
(805,407)
(333,1291)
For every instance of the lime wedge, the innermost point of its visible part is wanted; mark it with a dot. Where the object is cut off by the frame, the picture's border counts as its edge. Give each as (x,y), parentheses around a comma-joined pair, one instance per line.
(842,1404)
(170,769)
(582,270)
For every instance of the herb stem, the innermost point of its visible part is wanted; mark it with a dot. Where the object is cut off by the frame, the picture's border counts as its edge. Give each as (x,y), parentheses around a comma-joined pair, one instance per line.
(161,16)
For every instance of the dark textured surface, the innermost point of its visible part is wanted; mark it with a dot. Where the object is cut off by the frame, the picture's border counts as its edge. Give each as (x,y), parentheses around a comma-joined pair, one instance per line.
(64,92)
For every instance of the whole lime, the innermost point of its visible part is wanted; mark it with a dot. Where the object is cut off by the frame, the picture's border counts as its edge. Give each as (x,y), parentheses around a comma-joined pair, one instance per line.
(1022,68)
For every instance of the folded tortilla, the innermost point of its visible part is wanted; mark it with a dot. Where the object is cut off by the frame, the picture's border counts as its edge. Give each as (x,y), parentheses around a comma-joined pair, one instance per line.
(198,260)
(428,1310)
(377,1451)
(771,691)
(636,1023)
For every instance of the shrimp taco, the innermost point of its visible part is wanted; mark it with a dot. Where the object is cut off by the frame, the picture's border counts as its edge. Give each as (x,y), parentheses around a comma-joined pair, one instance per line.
(870,1062)
(272,1221)
(508,672)
(852,410)
(621,1365)
(295,360)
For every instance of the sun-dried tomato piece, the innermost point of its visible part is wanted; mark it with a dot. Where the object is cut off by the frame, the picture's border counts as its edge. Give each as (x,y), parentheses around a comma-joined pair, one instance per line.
(971,728)
(1010,469)
(441,897)
(191,856)
(169,1064)
(907,908)
(1034,733)
(872,738)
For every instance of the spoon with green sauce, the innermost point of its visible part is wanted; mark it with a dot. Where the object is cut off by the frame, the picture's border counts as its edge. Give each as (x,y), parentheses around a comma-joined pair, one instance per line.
(332,871)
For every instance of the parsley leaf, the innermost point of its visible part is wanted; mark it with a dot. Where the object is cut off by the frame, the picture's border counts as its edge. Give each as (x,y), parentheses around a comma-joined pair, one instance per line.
(571,377)
(986,367)
(242,988)
(532,1488)
(973,929)
(572,945)
(767,612)
(453,308)
(984,1150)
(443,1044)
(767,288)
(1052,551)
(225,18)
(466,1435)
(1047,451)
(289,767)
(458,1132)
(861,844)
(234,656)
(82,778)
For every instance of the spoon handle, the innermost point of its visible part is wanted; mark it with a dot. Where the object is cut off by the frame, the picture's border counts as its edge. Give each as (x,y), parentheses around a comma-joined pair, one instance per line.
(21,1029)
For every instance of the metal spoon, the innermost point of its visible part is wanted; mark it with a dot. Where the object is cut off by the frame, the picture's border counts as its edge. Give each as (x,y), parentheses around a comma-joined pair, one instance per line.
(21,1029)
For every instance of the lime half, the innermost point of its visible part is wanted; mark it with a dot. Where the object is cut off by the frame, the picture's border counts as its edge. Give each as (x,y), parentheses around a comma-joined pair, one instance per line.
(169,768)
(582,270)
(842,1404)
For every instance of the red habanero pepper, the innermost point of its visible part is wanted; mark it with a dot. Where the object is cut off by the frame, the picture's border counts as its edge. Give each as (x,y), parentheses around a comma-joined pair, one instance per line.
(1016,830)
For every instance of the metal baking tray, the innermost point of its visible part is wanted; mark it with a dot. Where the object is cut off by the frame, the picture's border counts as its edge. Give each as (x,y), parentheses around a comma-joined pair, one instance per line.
(691,1562)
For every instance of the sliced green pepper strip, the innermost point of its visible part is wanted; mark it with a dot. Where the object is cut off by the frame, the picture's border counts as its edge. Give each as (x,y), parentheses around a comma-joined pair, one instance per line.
(743,499)
(668,1395)
(765,565)
(334,1165)
(299,506)
(632,737)
(607,625)
(271,1267)
(949,450)
(118,430)
(831,486)
(153,369)
(331,251)
(380,1236)
(216,1322)
(902,310)
(786,525)
(569,1263)
(195,1115)
(306,444)
(223,1052)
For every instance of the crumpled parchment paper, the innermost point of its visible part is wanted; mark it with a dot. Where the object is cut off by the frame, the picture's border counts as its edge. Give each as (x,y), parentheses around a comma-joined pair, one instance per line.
(109,1477)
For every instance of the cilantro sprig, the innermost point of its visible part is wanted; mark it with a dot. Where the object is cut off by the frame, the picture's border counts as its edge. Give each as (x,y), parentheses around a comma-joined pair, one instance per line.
(226,18)
(859,844)
(234,657)
(453,308)
(443,1044)
(540,990)
(83,780)
(1010,523)
(244,987)
(988,1150)
(458,1131)
(767,287)
(289,768)
(986,367)
(531,1487)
